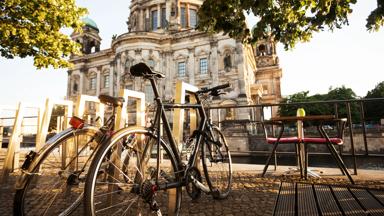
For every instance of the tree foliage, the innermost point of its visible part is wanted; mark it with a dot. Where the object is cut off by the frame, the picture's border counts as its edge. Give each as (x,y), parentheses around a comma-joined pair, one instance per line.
(374,110)
(32,28)
(287,21)
(312,107)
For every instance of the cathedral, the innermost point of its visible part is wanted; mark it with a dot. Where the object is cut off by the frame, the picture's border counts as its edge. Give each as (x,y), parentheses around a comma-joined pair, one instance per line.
(162,34)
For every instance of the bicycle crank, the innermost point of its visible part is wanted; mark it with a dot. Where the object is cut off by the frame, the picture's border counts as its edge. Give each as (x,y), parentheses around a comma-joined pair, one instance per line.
(193,174)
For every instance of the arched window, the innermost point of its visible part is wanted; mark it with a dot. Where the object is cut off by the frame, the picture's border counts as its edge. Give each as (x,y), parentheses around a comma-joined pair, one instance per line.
(203,66)
(192,18)
(154,20)
(164,22)
(261,50)
(149,95)
(183,17)
(106,80)
(75,87)
(181,70)
(227,62)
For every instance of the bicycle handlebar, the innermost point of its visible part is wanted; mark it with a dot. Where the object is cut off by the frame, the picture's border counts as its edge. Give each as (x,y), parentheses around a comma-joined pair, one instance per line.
(213,89)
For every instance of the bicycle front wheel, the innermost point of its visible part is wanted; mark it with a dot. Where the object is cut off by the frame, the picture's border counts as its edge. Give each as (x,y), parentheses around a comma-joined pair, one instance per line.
(217,163)
(122,177)
(54,184)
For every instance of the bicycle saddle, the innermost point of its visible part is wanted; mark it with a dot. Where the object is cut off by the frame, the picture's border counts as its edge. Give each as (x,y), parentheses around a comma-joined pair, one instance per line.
(115,101)
(141,69)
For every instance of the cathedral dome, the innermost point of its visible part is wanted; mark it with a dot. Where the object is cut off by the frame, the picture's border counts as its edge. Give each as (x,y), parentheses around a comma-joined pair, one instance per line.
(90,23)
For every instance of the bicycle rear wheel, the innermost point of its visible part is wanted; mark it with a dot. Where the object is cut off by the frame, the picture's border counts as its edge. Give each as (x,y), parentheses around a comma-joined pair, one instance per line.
(217,164)
(55,182)
(121,180)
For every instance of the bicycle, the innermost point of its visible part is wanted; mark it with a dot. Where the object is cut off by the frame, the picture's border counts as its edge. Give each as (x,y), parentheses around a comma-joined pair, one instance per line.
(144,185)
(52,179)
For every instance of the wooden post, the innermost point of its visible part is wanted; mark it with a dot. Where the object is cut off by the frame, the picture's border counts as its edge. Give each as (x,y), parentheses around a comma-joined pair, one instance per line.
(12,157)
(41,136)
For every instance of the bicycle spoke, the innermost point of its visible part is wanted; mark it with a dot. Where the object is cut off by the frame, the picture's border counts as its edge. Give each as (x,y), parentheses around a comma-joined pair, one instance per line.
(118,204)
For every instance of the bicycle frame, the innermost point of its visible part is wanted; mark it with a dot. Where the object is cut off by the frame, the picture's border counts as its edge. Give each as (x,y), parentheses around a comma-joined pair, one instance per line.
(160,114)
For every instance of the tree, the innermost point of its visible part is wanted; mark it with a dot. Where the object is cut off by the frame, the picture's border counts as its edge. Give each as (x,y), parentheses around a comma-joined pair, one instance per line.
(343,93)
(32,28)
(313,108)
(374,110)
(287,21)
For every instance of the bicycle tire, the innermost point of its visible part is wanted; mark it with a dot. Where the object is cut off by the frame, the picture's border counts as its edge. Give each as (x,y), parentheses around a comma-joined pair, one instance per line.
(217,164)
(62,196)
(112,189)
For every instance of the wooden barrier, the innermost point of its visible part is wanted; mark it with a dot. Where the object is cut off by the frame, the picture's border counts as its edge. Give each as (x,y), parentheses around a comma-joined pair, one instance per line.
(182,89)
(80,106)
(11,159)
(44,119)
(122,117)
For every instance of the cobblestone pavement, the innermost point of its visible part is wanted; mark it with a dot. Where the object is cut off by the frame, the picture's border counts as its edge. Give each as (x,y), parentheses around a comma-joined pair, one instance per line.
(251,194)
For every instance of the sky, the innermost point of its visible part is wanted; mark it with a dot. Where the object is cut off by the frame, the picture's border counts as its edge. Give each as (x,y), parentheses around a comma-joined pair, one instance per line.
(351,56)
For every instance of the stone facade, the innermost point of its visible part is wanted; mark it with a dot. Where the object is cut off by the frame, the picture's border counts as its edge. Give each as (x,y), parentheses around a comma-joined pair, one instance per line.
(162,34)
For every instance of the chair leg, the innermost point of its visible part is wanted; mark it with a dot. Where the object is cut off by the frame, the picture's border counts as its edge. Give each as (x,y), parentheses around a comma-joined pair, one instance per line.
(275,154)
(300,160)
(269,159)
(306,161)
(334,155)
(341,163)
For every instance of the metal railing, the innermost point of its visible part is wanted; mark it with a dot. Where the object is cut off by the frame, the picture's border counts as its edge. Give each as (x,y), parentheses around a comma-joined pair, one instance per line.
(361,137)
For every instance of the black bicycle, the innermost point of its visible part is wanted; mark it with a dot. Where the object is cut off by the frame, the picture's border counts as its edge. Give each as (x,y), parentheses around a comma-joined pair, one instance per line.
(140,172)
(52,180)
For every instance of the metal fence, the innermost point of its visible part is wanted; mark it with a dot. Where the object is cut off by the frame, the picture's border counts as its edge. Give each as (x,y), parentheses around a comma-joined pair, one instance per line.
(363,136)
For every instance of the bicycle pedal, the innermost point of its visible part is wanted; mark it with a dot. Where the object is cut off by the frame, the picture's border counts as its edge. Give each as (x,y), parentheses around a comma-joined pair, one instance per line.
(73,179)
(215,193)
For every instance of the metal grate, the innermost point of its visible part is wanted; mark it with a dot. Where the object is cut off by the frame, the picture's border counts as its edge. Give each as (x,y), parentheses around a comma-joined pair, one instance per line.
(327,200)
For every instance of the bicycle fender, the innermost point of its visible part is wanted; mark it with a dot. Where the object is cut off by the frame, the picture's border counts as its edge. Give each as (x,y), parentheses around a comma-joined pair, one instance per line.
(22,178)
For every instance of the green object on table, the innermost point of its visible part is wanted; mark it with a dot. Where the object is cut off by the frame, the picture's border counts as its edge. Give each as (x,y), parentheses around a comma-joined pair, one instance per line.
(300,112)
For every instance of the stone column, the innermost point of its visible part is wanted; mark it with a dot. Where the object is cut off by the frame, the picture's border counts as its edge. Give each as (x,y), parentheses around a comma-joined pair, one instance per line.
(169,75)
(187,17)
(158,16)
(147,20)
(118,76)
(141,20)
(98,81)
(111,71)
(178,17)
(240,68)
(81,84)
(69,86)
(213,66)
(168,5)
(191,65)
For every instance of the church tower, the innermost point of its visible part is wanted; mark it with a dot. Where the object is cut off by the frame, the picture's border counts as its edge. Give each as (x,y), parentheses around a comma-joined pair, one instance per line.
(268,72)
(89,38)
